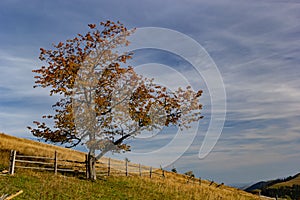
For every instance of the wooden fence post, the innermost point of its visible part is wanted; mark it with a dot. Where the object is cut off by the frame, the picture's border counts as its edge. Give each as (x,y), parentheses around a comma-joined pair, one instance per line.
(12,161)
(108,167)
(55,162)
(140,170)
(87,166)
(150,172)
(126,166)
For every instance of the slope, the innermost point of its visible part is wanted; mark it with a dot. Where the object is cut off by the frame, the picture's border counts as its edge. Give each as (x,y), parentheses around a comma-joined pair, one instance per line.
(44,185)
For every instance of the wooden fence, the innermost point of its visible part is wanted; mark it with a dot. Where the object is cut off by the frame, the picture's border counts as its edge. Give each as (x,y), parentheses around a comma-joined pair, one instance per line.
(104,167)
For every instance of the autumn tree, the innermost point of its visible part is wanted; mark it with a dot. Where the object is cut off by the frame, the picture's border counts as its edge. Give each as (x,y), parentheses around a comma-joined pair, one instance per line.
(102,102)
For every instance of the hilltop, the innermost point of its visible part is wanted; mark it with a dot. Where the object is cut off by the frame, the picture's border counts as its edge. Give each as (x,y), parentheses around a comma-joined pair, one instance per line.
(46,185)
(283,188)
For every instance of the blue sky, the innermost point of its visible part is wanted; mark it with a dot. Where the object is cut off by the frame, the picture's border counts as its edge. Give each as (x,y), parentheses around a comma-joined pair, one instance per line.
(255,44)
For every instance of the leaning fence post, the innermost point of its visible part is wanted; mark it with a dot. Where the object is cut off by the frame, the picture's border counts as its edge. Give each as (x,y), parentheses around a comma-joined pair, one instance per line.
(12,161)
(140,170)
(126,166)
(108,167)
(55,162)
(150,172)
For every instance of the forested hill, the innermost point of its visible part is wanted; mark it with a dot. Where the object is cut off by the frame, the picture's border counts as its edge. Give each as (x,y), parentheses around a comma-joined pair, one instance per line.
(288,187)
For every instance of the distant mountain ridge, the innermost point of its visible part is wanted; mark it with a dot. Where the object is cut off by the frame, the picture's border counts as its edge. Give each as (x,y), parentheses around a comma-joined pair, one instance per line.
(241,186)
(258,185)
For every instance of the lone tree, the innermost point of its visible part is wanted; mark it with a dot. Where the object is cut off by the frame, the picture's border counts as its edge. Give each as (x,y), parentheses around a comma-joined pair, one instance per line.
(102,102)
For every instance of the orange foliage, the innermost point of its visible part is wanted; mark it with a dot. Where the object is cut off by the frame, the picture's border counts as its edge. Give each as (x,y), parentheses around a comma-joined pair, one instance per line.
(119,104)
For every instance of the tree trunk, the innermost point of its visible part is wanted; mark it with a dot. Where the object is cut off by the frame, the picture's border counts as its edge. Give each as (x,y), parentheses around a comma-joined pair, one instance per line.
(92,158)
(91,168)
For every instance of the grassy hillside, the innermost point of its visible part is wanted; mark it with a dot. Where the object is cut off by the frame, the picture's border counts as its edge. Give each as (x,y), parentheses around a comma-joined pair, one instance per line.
(30,147)
(294,181)
(37,185)
(287,188)
(45,185)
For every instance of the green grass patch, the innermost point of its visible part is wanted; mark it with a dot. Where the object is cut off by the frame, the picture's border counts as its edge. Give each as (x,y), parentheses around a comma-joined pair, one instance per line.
(38,185)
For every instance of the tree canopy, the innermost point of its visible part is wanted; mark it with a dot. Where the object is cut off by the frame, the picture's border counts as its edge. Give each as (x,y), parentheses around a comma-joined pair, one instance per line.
(102,102)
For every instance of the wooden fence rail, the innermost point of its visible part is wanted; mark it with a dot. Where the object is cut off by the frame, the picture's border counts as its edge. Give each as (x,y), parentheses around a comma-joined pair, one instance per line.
(103,167)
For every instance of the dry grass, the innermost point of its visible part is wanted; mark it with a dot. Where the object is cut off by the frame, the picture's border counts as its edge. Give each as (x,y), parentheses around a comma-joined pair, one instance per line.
(30,147)
(203,187)
(172,186)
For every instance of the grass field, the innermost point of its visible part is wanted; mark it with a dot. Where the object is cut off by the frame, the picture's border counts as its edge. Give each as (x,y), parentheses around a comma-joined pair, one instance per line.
(46,185)
(38,185)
